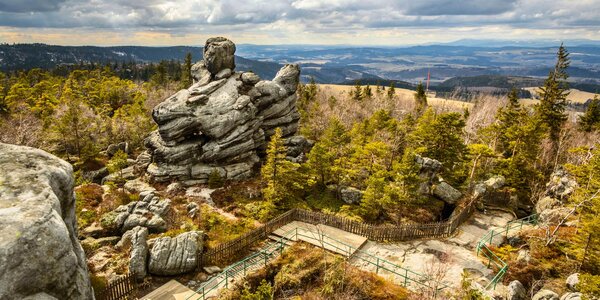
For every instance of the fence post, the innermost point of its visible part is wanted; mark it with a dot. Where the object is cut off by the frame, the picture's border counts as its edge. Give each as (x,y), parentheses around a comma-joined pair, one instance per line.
(377,271)
(226,279)
(405,277)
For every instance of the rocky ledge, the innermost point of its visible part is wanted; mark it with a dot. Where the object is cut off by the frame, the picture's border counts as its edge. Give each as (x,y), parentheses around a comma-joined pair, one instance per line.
(40,255)
(222,122)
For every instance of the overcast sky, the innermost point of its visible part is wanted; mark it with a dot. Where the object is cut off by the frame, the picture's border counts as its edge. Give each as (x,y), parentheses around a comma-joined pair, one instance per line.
(364,22)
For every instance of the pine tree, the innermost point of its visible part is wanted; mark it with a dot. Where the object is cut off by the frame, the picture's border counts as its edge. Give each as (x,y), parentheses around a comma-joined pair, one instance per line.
(357,95)
(553,97)
(116,165)
(590,121)
(517,136)
(282,180)
(186,75)
(420,99)
(367,93)
(391,91)
(441,137)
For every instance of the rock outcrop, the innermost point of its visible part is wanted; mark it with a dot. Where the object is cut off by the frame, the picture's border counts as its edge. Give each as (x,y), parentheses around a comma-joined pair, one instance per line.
(40,255)
(148,212)
(550,207)
(173,256)
(222,122)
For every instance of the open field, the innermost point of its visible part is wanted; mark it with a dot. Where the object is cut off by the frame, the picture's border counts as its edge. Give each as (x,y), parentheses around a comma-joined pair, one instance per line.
(402,94)
(575,96)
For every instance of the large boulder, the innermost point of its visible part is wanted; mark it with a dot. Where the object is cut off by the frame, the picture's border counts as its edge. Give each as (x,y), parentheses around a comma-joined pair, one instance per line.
(545,295)
(174,256)
(40,255)
(218,54)
(446,192)
(516,291)
(222,122)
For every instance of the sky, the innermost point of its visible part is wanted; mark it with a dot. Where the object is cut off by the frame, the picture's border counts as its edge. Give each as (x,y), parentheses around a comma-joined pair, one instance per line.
(323,22)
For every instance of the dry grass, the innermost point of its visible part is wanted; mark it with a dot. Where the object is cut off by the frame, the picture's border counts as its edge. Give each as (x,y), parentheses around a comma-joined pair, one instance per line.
(575,96)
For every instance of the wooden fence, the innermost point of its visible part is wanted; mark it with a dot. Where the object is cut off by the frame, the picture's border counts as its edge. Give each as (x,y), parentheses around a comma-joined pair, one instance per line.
(119,289)
(228,252)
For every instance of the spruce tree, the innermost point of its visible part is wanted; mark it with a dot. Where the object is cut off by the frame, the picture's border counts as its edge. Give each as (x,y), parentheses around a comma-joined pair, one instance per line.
(590,121)
(391,91)
(186,75)
(553,97)
(367,93)
(357,95)
(280,176)
(420,99)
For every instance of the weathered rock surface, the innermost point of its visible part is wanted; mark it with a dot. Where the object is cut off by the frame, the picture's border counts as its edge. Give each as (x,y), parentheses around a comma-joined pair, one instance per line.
(148,212)
(173,256)
(572,282)
(221,122)
(571,296)
(545,295)
(40,255)
(561,184)
(138,257)
(446,192)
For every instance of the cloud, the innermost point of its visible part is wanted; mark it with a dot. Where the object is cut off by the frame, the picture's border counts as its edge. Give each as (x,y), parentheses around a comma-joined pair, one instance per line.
(21,6)
(465,7)
(296,19)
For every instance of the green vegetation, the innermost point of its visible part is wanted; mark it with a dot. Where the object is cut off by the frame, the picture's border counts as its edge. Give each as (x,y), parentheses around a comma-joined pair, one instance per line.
(420,99)
(590,121)
(305,272)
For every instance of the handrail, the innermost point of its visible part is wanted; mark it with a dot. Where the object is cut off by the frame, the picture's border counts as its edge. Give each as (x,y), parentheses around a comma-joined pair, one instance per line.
(281,243)
(488,238)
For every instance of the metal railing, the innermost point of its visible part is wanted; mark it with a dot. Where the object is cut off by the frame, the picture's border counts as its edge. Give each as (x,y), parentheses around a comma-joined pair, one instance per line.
(264,255)
(488,239)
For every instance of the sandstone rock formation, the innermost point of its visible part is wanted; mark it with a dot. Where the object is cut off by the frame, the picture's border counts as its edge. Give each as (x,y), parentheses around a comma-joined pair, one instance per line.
(136,239)
(173,256)
(221,122)
(40,255)
(148,212)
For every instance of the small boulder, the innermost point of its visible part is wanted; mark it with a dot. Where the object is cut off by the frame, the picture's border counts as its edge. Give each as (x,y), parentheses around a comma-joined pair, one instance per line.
(572,282)
(545,295)
(250,78)
(351,195)
(546,203)
(137,186)
(225,73)
(113,148)
(516,291)
(495,182)
(523,256)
